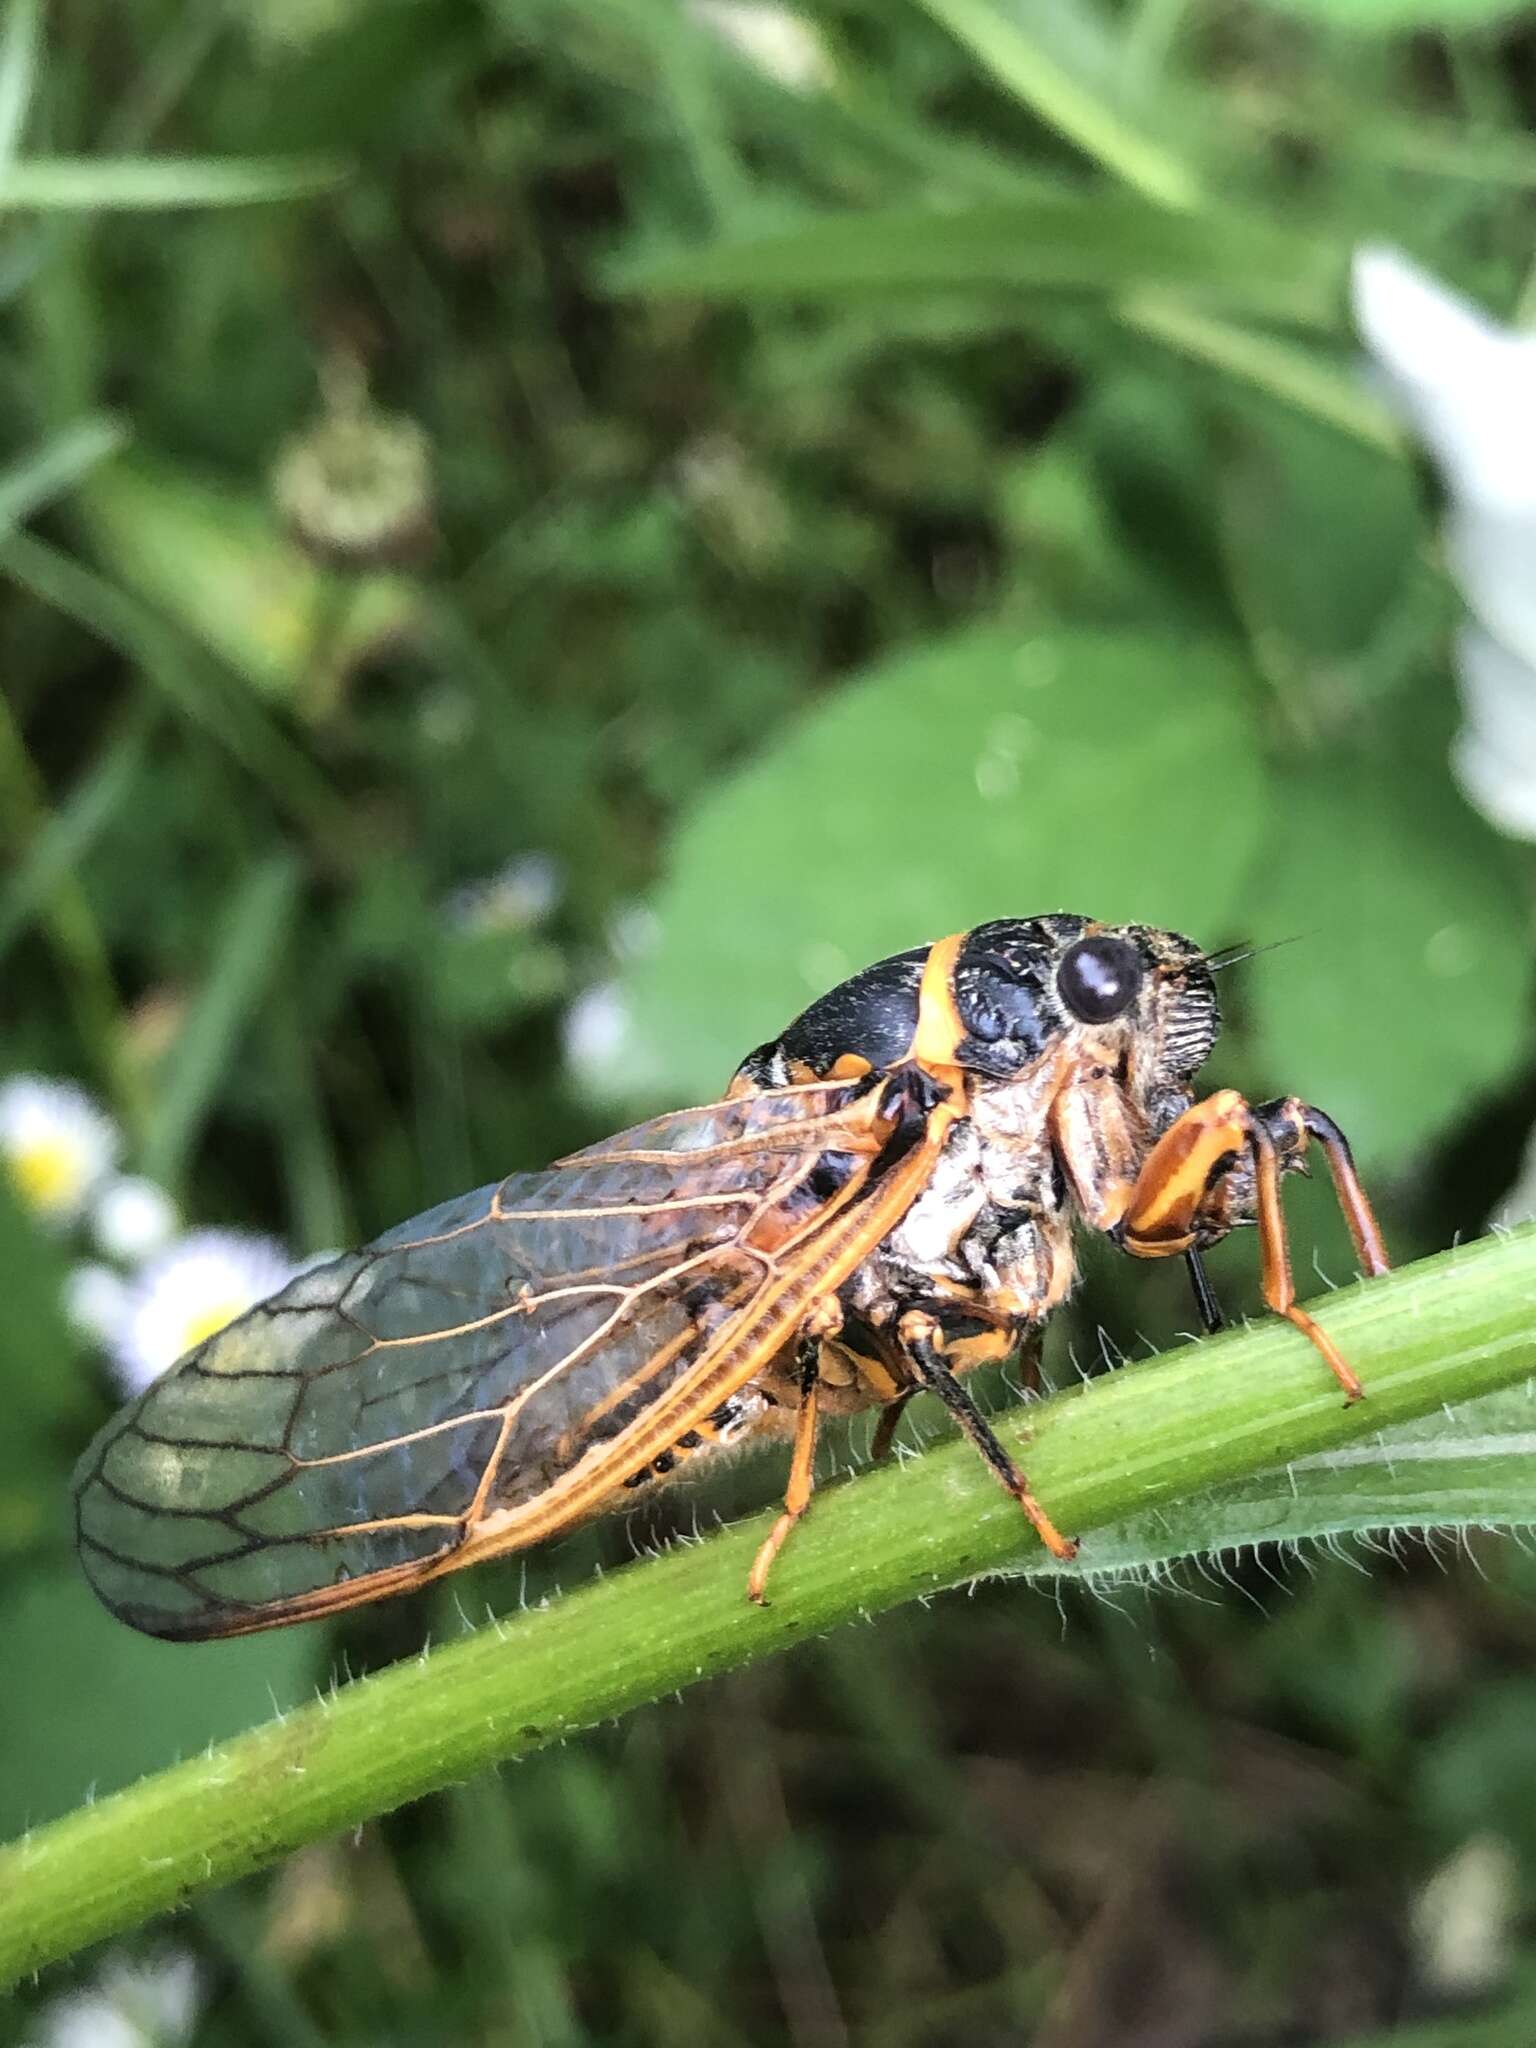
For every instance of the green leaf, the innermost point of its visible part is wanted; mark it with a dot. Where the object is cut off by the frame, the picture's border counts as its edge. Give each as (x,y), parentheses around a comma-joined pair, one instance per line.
(1398,17)
(995,774)
(1464,1467)
(115,184)
(61,1747)
(1408,999)
(1319,533)
(1061,242)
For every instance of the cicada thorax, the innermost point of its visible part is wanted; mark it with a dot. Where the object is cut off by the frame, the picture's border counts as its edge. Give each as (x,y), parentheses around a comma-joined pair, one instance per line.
(866,1024)
(995,1265)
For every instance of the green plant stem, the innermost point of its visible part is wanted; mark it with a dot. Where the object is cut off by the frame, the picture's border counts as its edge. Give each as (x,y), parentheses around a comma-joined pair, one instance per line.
(1452,1327)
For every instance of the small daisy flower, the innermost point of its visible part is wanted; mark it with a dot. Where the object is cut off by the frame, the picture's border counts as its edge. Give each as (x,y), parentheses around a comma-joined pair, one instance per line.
(55,1143)
(595,1029)
(1468,386)
(132,1218)
(151,2004)
(777,41)
(520,895)
(190,1292)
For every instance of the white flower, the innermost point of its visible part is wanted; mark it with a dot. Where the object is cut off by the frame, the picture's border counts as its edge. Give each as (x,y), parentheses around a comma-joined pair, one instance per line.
(595,1031)
(783,45)
(55,1143)
(152,2004)
(520,895)
(191,1290)
(132,1218)
(1469,387)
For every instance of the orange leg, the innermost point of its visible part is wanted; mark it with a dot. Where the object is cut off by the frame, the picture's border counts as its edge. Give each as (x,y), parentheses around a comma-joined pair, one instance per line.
(922,1340)
(1370,1250)
(1275,1261)
(802,1478)
(1180,1200)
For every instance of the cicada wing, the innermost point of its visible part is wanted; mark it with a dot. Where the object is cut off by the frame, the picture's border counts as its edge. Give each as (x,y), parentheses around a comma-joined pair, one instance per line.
(353,1434)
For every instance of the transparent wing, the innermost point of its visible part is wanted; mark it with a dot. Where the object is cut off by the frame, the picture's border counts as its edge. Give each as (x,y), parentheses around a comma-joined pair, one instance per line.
(475,1378)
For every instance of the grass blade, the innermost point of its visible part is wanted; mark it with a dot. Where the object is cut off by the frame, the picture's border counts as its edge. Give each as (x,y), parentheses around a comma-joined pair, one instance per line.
(56,466)
(136,184)
(18,73)
(248,954)
(1061,242)
(1025,67)
(71,831)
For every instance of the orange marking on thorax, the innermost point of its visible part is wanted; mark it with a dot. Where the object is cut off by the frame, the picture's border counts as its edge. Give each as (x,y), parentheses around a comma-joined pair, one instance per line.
(939,1031)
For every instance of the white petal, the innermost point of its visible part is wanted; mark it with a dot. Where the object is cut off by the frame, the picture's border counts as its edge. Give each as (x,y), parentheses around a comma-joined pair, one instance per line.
(1494,755)
(1492,555)
(522,894)
(83,2019)
(56,1142)
(96,1300)
(1467,384)
(196,1286)
(596,1028)
(149,2004)
(133,1218)
(780,43)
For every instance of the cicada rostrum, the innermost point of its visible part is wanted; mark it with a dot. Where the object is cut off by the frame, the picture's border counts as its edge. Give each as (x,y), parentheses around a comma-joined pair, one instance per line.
(885,1197)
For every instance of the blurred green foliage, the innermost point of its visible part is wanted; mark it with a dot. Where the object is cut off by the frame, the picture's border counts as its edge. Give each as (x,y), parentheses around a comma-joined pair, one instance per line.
(940,488)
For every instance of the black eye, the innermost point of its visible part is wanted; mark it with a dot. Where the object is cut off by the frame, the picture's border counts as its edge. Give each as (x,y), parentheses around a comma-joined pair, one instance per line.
(1098,978)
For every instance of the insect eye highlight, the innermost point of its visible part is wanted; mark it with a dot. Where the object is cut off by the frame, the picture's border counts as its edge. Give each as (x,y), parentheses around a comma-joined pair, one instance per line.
(1099,979)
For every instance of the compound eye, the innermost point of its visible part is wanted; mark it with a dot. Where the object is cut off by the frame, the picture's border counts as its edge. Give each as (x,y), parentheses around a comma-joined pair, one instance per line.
(1098,978)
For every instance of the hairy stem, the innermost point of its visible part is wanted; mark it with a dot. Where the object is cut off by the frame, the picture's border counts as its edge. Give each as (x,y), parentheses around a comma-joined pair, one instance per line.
(1445,1330)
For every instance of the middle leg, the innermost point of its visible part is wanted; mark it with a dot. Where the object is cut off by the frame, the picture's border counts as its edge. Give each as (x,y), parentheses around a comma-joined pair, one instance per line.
(922,1340)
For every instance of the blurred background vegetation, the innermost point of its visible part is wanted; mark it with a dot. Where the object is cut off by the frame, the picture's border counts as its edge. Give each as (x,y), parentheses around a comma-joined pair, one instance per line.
(537,537)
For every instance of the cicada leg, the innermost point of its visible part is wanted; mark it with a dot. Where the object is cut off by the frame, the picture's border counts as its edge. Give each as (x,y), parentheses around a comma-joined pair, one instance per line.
(1208,1306)
(886,1428)
(1188,1193)
(922,1340)
(802,1473)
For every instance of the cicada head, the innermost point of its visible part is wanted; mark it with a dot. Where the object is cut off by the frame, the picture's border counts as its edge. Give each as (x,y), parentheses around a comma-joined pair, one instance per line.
(1131,997)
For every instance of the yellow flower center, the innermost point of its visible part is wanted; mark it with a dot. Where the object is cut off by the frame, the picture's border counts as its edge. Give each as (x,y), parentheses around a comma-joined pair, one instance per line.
(48,1175)
(209,1320)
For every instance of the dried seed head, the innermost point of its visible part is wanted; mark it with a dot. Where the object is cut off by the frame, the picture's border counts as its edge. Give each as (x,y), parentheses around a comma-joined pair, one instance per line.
(355,487)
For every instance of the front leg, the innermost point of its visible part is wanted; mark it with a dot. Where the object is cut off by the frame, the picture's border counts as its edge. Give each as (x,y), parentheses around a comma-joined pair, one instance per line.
(1220,1164)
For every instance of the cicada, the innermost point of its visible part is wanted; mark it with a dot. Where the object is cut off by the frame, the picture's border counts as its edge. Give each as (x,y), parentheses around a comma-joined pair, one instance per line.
(885,1197)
